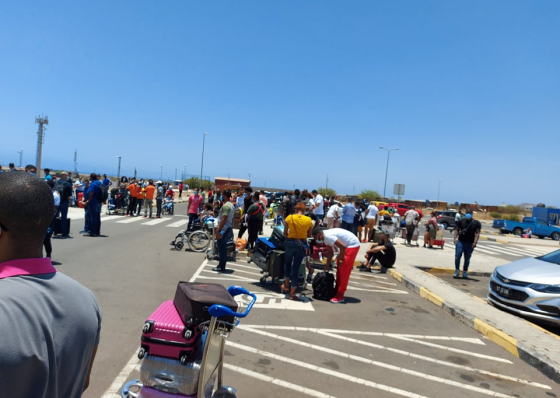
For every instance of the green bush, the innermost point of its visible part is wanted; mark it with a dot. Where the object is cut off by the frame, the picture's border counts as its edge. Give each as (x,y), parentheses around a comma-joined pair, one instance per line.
(511,217)
(496,214)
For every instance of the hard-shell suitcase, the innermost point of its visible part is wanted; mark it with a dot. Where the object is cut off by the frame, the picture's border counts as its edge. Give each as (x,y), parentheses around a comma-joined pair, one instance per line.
(264,245)
(193,300)
(261,260)
(58,225)
(171,376)
(278,239)
(165,335)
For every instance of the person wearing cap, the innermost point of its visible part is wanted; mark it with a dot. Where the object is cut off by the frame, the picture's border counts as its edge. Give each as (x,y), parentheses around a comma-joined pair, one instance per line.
(159,198)
(93,205)
(467,232)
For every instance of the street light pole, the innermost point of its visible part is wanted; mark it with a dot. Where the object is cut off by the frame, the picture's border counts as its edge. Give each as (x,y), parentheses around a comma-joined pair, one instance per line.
(202,160)
(439,186)
(20,157)
(160,172)
(387,168)
(119,170)
(184,172)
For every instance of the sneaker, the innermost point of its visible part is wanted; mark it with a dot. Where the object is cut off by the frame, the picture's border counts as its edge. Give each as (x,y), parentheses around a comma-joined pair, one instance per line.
(362,265)
(335,300)
(218,269)
(128,215)
(383,270)
(465,275)
(309,278)
(364,241)
(365,269)
(456,274)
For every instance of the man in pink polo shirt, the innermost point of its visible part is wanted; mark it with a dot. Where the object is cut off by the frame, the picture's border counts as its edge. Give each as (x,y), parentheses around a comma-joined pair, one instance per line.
(50,323)
(195,202)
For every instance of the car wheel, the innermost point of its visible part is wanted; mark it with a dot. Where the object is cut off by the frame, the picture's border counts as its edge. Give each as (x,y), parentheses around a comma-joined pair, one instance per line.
(518,231)
(555,236)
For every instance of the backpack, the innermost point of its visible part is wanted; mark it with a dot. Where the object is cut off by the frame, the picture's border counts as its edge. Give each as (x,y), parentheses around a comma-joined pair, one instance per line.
(103,193)
(292,205)
(323,286)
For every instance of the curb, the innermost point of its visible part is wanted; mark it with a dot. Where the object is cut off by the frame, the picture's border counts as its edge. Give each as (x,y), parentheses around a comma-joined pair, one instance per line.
(504,340)
(449,271)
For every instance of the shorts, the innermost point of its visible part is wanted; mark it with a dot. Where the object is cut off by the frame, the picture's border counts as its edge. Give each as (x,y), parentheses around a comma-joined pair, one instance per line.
(370,223)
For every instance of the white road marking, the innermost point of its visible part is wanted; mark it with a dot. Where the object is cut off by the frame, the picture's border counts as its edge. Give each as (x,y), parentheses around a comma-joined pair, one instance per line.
(155,222)
(471,340)
(277,301)
(278,382)
(198,271)
(333,373)
(379,364)
(439,362)
(115,389)
(129,220)
(378,289)
(229,276)
(177,224)
(474,354)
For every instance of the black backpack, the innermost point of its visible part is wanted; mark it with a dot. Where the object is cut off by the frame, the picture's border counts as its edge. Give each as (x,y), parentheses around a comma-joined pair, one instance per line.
(103,194)
(323,286)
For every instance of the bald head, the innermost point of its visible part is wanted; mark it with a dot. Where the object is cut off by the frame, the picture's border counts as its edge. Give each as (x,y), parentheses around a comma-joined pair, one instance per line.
(26,210)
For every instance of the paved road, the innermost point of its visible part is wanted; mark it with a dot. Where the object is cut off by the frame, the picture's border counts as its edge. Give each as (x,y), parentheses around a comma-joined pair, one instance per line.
(385,342)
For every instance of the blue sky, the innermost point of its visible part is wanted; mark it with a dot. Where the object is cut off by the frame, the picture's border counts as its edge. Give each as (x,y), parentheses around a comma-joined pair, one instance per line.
(469,91)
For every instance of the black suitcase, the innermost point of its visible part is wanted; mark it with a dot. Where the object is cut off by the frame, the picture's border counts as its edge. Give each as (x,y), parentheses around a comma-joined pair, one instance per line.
(278,239)
(192,301)
(277,261)
(57,226)
(264,246)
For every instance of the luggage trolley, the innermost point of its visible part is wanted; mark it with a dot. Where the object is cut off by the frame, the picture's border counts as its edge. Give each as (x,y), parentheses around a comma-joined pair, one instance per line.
(388,227)
(210,378)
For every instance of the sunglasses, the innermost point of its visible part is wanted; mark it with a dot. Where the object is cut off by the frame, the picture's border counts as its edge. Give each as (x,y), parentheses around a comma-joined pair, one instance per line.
(4,228)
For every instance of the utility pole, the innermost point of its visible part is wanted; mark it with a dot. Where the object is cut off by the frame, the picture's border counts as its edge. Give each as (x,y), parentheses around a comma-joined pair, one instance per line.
(175,173)
(76,162)
(20,157)
(119,171)
(41,121)
(327,183)
(135,173)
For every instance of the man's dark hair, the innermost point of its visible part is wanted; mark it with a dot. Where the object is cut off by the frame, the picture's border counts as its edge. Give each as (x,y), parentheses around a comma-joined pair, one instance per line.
(31,168)
(26,208)
(105,175)
(314,191)
(12,165)
(47,170)
(248,189)
(316,231)
(93,176)
(227,193)
(256,196)
(297,192)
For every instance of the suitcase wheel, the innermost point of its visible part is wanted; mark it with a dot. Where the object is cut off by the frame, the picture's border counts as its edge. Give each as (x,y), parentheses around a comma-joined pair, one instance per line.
(187,334)
(189,322)
(148,327)
(184,359)
(142,353)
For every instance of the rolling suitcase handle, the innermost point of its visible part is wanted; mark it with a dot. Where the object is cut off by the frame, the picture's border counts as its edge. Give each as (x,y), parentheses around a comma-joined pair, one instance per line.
(218,310)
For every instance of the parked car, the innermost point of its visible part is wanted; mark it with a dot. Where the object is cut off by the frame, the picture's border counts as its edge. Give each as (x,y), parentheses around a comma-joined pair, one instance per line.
(446,218)
(538,227)
(402,208)
(529,287)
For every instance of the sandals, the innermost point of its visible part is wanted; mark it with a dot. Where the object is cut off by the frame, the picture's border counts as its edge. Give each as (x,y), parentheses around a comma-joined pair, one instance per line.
(294,298)
(283,289)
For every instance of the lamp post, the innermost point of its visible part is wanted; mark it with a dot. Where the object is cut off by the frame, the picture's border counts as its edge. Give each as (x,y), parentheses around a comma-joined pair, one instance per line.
(160,172)
(202,160)
(387,168)
(439,186)
(20,157)
(184,172)
(119,169)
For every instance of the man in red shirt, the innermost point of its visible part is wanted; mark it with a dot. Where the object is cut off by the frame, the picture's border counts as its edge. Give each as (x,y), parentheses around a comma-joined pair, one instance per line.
(195,202)
(181,187)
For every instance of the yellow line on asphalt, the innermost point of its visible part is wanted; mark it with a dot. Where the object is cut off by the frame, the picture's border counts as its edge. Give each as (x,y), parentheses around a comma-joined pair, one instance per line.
(497,336)
(431,297)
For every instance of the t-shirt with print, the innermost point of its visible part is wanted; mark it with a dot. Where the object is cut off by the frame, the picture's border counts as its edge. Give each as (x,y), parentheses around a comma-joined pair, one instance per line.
(150,189)
(50,327)
(319,210)
(410,216)
(298,226)
(195,200)
(226,210)
(372,211)
(346,237)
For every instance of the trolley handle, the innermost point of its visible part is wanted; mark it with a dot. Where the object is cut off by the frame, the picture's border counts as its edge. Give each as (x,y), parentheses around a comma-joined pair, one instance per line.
(218,310)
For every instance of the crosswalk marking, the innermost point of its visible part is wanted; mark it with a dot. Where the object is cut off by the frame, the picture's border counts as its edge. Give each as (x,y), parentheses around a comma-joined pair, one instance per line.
(129,220)
(155,222)
(177,224)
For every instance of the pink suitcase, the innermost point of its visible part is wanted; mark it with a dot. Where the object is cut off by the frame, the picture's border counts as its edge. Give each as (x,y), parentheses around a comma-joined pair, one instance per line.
(165,335)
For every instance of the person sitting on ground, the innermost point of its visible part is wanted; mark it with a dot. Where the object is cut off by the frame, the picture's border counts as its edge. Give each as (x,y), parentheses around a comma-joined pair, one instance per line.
(383,251)
(50,323)
(527,233)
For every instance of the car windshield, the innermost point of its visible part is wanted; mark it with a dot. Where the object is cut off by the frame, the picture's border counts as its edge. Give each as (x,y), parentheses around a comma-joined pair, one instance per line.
(553,257)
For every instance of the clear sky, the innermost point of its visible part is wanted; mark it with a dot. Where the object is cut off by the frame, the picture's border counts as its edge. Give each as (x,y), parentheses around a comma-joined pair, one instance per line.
(288,91)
